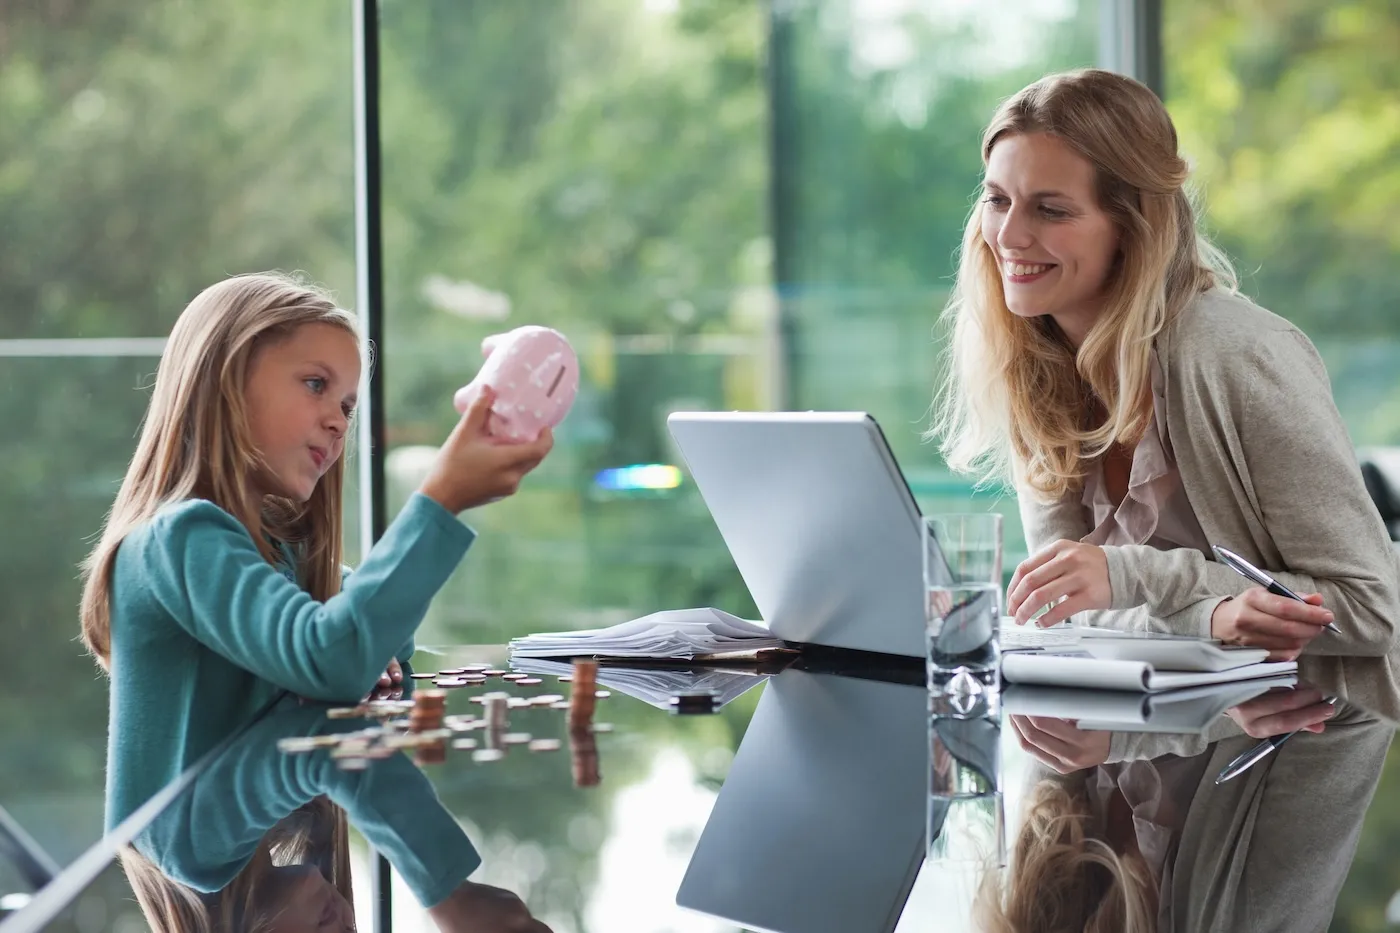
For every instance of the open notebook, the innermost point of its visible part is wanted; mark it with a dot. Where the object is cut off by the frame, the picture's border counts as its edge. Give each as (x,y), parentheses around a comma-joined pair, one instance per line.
(1187,710)
(681,634)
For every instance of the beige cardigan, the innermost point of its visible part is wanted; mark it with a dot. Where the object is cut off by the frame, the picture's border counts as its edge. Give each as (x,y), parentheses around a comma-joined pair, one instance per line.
(1270,472)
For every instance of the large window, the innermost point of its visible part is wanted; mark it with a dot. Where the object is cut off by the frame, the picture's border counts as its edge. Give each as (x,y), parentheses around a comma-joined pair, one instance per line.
(146,151)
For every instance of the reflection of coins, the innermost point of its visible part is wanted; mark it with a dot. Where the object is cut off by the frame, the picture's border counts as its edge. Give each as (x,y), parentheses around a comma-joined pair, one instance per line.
(517,702)
(514,676)
(353,764)
(528,681)
(564,678)
(602,727)
(488,754)
(603,694)
(545,745)
(345,712)
(464,744)
(450,682)
(493,673)
(559,704)
(516,738)
(547,699)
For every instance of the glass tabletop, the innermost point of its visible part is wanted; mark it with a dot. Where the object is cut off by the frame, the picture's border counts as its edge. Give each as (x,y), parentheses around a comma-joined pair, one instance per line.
(791,797)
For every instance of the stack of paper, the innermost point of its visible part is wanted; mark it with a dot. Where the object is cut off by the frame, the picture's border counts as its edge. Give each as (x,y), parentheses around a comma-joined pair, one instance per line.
(656,685)
(1078,669)
(687,634)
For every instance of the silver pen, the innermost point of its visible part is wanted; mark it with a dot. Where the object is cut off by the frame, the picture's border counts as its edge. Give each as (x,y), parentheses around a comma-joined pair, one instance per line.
(1259,752)
(1253,574)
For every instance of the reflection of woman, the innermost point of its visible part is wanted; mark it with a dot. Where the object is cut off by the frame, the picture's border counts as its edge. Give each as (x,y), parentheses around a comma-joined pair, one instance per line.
(1102,358)
(1148,841)
(259,842)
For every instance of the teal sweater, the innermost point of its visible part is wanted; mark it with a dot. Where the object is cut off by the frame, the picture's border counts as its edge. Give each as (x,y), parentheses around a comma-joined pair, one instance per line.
(210,833)
(205,633)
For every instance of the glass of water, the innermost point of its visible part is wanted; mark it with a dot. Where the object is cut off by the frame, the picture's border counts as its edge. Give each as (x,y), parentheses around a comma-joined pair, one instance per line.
(966,811)
(962,612)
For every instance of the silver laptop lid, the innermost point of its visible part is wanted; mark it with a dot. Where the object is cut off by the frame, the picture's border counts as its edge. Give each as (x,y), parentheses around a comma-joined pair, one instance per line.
(819,521)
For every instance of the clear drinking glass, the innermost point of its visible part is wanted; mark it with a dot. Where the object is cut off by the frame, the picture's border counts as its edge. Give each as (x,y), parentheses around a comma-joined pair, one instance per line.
(966,810)
(962,557)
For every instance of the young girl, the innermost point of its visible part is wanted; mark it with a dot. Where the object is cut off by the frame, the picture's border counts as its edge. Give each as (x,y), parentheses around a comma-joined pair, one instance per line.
(1102,360)
(217,582)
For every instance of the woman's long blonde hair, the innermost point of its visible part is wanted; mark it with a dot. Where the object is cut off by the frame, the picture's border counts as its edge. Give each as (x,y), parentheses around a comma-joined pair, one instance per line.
(1017,400)
(196,441)
(316,833)
(1063,878)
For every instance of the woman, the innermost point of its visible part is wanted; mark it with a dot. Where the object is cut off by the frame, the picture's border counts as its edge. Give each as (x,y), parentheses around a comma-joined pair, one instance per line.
(1102,359)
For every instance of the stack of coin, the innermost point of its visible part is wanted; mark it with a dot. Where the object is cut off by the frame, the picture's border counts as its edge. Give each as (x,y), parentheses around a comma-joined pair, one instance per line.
(427,716)
(427,711)
(583,749)
(583,694)
(497,712)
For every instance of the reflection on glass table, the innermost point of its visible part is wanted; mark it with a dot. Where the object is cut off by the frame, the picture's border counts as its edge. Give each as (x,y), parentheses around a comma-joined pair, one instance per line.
(798,808)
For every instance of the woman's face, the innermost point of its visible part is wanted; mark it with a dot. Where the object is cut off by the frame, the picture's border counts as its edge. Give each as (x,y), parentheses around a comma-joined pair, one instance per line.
(303,901)
(1053,244)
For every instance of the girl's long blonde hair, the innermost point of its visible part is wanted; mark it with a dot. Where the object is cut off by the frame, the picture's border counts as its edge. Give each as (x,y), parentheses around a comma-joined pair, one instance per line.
(196,441)
(1017,401)
(1064,878)
(316,833)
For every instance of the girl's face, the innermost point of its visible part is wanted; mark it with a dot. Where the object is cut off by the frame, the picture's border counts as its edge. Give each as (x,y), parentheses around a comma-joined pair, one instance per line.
(300,395)
(1053,244)
(303,901)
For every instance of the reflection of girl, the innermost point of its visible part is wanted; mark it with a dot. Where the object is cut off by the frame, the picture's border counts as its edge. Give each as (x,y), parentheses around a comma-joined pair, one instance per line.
(1102,358)
(297,881)
(259,842)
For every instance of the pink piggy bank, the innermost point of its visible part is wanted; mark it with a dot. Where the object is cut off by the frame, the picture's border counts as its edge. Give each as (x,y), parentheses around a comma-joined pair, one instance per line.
(535,374)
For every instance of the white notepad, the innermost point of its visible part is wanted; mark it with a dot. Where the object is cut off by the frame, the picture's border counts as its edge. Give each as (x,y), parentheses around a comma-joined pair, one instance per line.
(1187,710)
(1080,670)
(685,634)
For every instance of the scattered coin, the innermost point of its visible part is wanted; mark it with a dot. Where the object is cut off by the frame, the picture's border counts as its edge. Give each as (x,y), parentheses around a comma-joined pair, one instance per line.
(516,738)
(488,754)
(464,744)
(546,699)
(559,704)
(450,682)
(345,712)
(353,764)
(564,678)
(528,681)
(603,694)
(424,676)
(493,673)
(475,668)
(518,702)
(544,745)
(602,727)
(516,676)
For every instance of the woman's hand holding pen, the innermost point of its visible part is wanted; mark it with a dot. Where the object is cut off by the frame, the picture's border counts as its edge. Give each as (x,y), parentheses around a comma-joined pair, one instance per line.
(1282,711)
(1259,619)
(1068,576)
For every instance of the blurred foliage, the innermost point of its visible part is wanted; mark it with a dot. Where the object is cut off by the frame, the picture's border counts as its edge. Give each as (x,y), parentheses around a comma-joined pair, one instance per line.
(603,167)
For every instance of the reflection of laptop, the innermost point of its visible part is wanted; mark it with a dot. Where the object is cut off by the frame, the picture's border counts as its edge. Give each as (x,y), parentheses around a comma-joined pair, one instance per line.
(819,827)
(819,520)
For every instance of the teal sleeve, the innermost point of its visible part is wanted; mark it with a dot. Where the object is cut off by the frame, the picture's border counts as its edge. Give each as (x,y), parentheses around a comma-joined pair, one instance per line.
(200,564)
(407,648)
(209,836)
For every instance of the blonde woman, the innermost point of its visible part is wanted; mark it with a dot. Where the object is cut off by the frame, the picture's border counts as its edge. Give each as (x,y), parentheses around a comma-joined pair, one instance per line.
(217,582)
(1102,360)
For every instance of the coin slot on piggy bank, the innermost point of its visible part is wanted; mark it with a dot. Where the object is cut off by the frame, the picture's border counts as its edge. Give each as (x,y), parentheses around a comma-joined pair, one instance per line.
(534,372)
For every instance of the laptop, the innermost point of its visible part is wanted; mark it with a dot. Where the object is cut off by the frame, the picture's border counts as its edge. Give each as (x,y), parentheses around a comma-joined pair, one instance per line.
(819,521)
(819,826)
